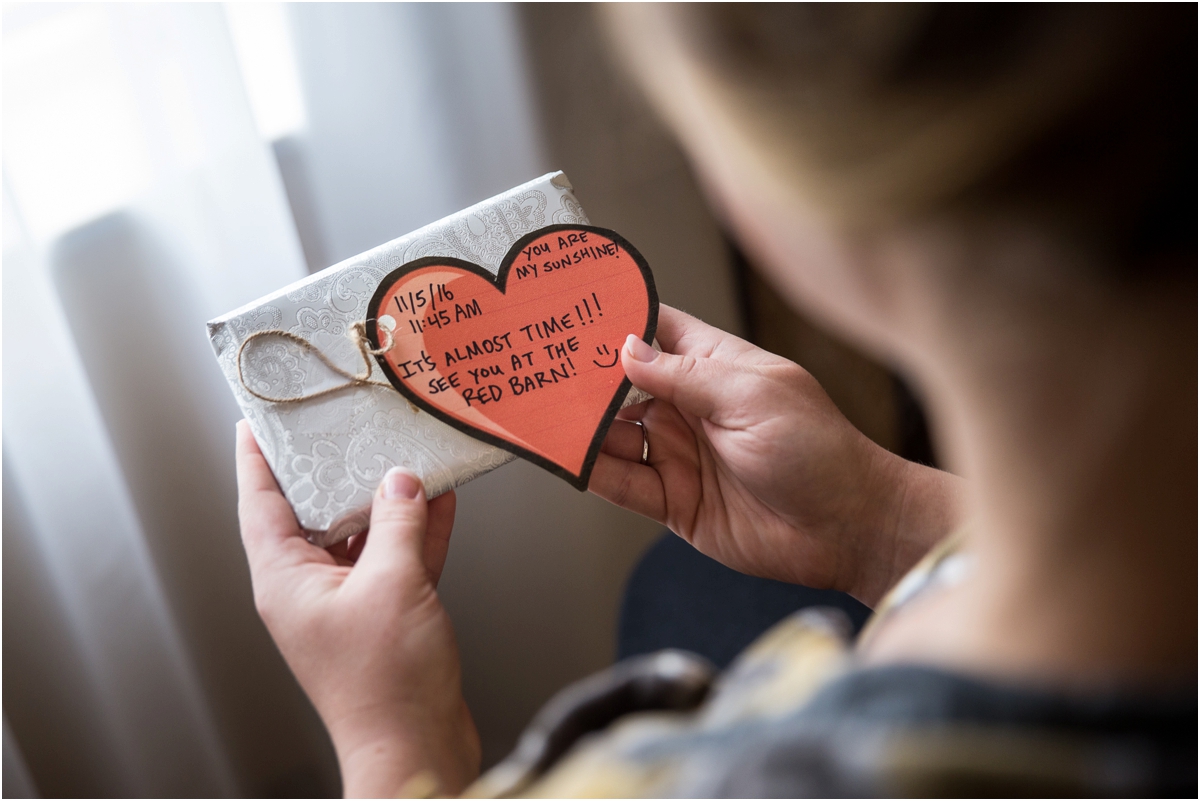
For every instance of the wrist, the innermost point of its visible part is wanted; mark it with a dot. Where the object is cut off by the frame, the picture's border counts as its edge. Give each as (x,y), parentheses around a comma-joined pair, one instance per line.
(379,768)
(411,754)
(918,506)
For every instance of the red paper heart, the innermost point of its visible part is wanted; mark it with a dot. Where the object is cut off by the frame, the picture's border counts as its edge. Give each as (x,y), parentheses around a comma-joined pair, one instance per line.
(528,359)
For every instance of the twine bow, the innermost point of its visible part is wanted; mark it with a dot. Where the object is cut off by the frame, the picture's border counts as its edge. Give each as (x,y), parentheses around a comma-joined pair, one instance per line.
(358,332)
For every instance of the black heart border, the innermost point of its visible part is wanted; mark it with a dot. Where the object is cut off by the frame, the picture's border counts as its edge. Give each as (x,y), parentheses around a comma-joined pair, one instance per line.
(500,281)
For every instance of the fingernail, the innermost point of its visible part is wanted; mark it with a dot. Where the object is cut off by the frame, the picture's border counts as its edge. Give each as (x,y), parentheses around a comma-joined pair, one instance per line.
(399,483)
(639,350)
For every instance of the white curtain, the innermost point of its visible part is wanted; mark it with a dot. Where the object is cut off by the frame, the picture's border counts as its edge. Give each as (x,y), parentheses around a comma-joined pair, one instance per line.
(139,200)
(144,193)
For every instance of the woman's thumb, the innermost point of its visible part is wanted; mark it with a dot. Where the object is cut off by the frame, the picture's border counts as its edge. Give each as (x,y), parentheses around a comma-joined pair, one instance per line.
(699,386)
(398,517)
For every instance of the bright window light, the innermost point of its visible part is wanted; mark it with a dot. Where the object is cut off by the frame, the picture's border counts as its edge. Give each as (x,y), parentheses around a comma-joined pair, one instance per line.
(263,43)
(73,144)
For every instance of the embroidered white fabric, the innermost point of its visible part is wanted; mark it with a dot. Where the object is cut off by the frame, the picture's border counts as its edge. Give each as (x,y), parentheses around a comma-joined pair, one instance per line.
(329,454)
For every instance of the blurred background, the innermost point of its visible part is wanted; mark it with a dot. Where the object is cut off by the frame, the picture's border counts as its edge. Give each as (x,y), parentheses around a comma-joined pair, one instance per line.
(164,164)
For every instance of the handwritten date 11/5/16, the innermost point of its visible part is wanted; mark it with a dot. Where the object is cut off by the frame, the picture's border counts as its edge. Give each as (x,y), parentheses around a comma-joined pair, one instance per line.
(412,302)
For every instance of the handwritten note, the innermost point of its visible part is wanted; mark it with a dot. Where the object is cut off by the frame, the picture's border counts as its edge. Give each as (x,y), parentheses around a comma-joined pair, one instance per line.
(529,359)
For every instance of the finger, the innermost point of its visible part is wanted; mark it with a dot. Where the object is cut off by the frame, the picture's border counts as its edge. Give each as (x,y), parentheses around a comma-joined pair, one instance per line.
(630,485)
(437,535)
(340,551)
(680,333)
(397,534)
(354,546)
(675,326)
(269,528)
(624,441)
(706,388)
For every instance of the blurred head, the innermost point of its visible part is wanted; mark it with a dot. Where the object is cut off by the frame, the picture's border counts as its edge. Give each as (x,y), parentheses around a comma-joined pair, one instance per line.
(999,200)
(903,172)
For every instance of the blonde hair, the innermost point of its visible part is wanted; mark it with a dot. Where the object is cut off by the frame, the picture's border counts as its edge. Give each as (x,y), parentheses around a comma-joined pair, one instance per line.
(1084,114)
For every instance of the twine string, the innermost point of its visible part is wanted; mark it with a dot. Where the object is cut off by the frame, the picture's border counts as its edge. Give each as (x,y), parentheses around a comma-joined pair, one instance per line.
(358,334)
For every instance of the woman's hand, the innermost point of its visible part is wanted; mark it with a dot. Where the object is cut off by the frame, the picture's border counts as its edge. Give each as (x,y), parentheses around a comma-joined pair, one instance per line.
(362,628)
(751,462)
